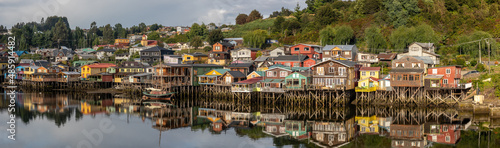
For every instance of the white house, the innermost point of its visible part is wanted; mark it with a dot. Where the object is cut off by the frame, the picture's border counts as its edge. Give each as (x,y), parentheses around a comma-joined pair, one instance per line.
(422,50)
(172,59)
(277,52)
(101,54)
(243,54)
(366,59)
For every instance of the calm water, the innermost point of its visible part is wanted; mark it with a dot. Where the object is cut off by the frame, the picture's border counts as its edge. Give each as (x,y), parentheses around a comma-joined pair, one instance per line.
(52,120)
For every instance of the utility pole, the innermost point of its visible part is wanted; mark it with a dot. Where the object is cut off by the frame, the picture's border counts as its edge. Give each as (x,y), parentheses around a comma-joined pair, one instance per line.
(489,55)
(480,50)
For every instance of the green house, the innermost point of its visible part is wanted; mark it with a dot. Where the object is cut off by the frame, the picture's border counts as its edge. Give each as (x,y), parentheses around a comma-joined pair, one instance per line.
(298,81)
(81,63)
(111,70)
(297,129)
(200,70)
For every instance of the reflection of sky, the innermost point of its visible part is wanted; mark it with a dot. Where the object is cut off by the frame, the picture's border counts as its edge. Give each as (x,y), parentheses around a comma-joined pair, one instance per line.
(44,133)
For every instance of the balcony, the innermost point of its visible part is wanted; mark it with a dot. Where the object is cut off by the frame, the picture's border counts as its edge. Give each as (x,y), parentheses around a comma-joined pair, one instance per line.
(244,89)
(269,89)
(365,89)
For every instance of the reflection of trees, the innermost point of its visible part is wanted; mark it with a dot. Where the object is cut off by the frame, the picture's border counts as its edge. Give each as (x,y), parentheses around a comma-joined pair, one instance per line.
(254,133)
(367,140)
(59,118)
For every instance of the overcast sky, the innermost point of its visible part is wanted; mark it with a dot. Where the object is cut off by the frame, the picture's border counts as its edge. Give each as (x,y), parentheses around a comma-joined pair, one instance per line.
(131,12)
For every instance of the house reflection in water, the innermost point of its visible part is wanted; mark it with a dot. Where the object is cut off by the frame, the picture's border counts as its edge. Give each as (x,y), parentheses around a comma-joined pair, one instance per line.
(297,129)
(367,125)
(273,124)
(442,133)
(407,135)
(329,134)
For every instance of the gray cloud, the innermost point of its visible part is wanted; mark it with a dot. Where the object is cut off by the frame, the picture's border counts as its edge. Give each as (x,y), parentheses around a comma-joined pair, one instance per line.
(128,13)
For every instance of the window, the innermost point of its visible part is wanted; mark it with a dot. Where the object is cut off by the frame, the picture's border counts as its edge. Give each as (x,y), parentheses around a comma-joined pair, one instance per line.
(410,133)
(372,73)
(346,53)
(363,73)
(399,132)
(405,77)
(434,71)
(189,58)
(445,128)
(283,73)
(400,65)
(267,84)
(415,65)
(327,53)
(448,71)
(341,137)
(417,77)
(342,71)
(411,77)
(363,129)
(363,57)
(217,47)
(306,48)
(296,49)
(445,81)
(331,69)
(447,138)
(362,121)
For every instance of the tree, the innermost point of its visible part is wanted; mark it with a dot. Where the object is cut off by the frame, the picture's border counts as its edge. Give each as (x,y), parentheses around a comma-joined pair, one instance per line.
(256,38)
(61,32)
(367,6)
(241,19)
(374,39)
(278,24)
(326,15)
(120,32)
(400,10)
(108,34)
(215,36)
(297,12)
(326,35)
(31,56)
(258,54)
(154,35)
(339,35)
(404,36)
(142,27)
(154,27)
(196,30)
(196,42)
(291,26)
(254,15)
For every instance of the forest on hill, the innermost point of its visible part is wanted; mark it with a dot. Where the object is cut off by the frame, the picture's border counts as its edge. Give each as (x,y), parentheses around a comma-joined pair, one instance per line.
(457,27)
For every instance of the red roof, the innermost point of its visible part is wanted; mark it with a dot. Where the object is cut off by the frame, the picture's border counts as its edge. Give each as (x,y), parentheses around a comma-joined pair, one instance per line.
(101,65)
(374,79)
(152,42)
(369,69)
(250,81)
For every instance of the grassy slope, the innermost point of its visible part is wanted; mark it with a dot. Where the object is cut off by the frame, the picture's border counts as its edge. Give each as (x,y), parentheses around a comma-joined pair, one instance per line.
(240,30)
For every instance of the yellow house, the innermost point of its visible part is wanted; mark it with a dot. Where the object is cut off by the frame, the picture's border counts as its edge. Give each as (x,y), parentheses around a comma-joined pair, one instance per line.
(29,71)
(221,62)
(194,57)
(41,70)
(95,68)
(211,77)
(367,124)
(368,79)
(255,74)
(122,40)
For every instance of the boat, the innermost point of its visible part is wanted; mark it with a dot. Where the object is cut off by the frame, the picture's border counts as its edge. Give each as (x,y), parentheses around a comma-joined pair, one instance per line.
(156,94)
(152,104)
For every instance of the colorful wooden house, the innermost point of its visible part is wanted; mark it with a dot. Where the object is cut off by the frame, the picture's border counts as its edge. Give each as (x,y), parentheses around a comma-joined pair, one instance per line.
(385,83)
(386,57)
(43,77)
(332,134)
(67,76)
(291,60)
(211,77)
(340,52)
(29,71)
(273,124)
(367,124)
(335,74)
(94,69)
(443,77)
(244,54)
(407,72)
(298,81)
(220,53)
(405,135)
(442,133)
(297,129)
(197,57)
(255,74)
(274,79)
(368,80)
(249,85)
(312,51)
(230,77)
(244,68)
